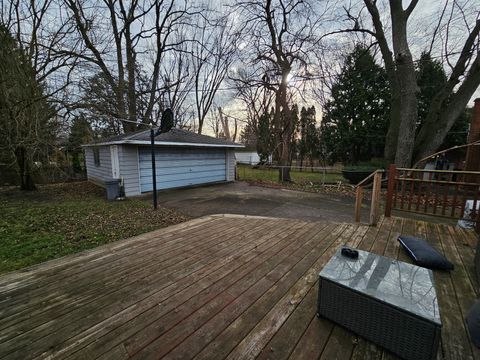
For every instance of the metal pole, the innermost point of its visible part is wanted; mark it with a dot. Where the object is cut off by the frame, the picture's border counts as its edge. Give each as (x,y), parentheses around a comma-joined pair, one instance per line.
(154,170)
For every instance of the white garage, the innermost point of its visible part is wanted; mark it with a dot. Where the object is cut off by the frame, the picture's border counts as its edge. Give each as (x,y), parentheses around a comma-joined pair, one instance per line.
(182,167)
(182,158)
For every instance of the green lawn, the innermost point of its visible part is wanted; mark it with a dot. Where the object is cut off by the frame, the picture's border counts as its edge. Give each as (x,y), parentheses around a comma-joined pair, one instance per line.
(247,173)
(62,219)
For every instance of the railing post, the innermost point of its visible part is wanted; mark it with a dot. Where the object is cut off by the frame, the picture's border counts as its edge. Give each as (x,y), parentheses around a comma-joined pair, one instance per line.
(358,203)
(392,173)
(374,209)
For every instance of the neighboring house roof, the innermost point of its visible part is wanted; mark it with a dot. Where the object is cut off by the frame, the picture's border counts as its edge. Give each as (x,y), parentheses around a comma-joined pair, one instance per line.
(175,137)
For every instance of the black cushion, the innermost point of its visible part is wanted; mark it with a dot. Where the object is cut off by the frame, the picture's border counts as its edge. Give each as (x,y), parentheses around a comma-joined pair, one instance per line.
(423,254)
(473,323)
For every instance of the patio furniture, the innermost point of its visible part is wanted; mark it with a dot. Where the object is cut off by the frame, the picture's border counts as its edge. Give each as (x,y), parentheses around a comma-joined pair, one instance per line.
(389,302)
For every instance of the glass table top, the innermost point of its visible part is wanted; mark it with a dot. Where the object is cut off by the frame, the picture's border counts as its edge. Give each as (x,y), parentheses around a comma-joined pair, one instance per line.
(405,286)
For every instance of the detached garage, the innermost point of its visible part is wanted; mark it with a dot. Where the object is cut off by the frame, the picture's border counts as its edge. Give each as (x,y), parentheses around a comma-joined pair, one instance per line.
(182,158)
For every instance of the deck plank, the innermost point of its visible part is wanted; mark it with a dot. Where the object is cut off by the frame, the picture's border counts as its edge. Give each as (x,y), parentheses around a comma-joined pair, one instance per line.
(214,326)
(114,323)
(73,320)
(217,287)
(466,254)
(285,340)
(455,343)
(84,287)
(229,338)
(255,341)
(462,285)
(110,263)
(250,287)
(345,238)
(302,350)
(20,280)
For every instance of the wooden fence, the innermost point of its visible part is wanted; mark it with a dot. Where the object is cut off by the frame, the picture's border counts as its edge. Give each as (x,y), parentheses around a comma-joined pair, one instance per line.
(440,193)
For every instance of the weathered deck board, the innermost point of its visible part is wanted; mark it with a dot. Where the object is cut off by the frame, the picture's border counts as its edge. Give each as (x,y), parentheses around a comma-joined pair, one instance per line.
(217,287)
(102,306)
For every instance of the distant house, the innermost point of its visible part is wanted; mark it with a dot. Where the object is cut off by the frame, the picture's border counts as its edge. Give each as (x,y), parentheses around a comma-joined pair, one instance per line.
(247,156)
(183,159)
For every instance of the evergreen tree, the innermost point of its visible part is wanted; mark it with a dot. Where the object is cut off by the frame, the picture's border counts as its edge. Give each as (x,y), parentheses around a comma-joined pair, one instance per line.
(308,141)
(265,138)
(80,133)
(294,122)
(302,140)
(27,122)
(356,118)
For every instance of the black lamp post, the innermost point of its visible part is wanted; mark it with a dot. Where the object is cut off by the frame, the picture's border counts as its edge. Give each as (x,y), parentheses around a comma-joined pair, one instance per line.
(166,124)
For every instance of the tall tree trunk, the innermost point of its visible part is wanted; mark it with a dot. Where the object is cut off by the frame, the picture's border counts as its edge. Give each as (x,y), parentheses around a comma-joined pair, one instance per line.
(120,88)
(23,162)
(393,127)
(407,84)
(285,128)
(401,75)
(235,132)
(131,91)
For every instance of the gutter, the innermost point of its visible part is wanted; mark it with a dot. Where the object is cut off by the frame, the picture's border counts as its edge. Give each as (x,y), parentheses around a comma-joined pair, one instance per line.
(163,143)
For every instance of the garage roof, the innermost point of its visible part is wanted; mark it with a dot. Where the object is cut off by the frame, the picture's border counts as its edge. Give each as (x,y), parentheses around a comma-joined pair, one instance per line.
(175,137)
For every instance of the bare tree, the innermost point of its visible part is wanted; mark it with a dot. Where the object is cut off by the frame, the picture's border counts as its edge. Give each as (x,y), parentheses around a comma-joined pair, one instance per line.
(256,98)
(402,143)
(35,76)
(225,123)
(282,33)
(177,79)
(134,27)
(213,51)
(30,23)
(215,123)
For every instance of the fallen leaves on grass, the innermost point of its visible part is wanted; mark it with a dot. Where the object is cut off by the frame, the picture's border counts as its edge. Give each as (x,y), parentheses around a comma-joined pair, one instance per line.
(66,218)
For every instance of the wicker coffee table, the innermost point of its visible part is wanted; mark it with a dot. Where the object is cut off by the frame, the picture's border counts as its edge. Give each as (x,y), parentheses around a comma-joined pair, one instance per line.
(389,302)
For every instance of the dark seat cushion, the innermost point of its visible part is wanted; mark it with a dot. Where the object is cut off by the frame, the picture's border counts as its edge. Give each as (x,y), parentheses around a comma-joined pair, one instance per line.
(473,323)
(423,254)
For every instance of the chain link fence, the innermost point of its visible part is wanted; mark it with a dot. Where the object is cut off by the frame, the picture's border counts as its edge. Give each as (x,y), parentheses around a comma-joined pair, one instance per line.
(300,174)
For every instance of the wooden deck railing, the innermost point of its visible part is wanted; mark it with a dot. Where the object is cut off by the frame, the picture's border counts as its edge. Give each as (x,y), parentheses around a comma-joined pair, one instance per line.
(433,192)
(375,201)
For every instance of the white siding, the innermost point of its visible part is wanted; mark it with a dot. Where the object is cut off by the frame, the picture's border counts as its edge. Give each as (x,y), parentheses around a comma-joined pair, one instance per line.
(128,159)
(179,167)
(205,168)
(98,174)
(231,164)
(247,157)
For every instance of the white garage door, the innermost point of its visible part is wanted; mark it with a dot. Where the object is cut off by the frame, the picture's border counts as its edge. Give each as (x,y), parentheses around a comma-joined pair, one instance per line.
(181,167)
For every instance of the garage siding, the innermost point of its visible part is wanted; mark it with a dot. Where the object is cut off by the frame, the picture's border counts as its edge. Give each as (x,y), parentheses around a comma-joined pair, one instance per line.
(182,167)
(97,174)
(128,159)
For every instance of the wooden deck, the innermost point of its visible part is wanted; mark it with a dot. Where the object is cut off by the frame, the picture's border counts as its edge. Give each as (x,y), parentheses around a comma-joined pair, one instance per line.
(216,287)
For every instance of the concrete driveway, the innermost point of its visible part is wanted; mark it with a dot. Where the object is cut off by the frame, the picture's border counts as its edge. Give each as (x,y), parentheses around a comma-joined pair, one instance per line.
(241,198)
